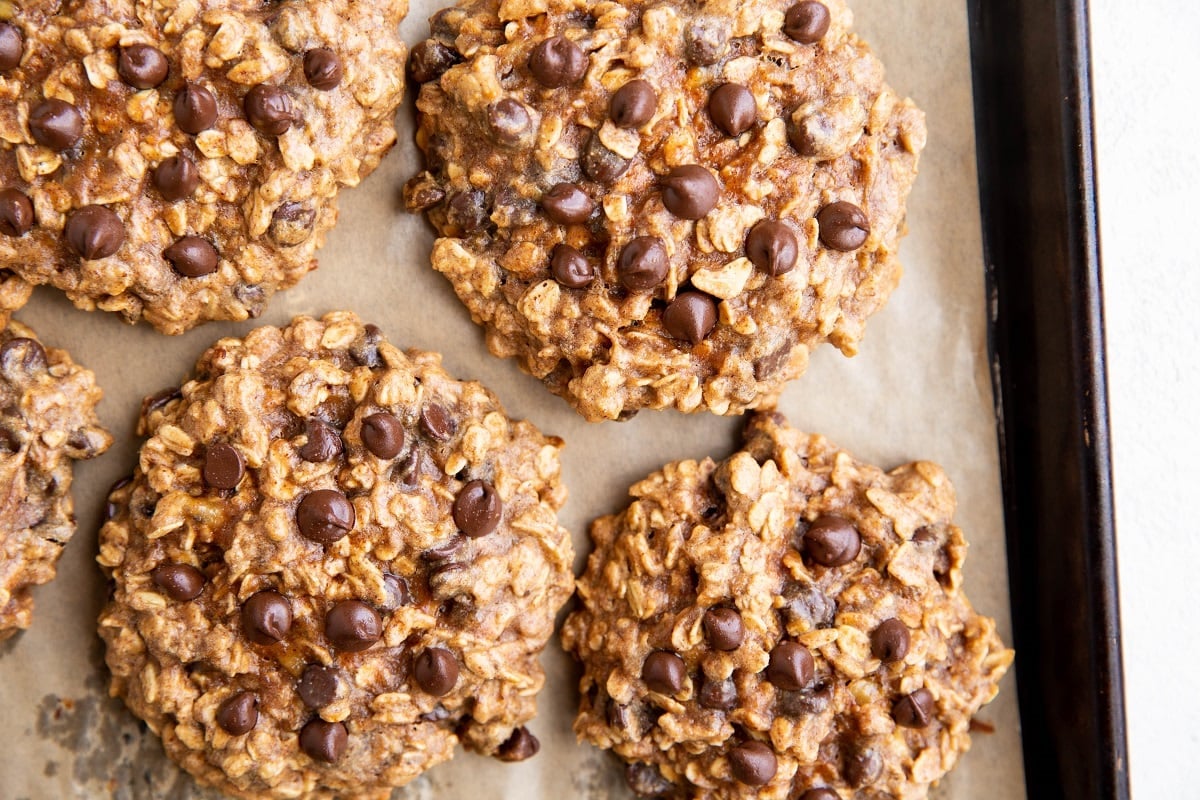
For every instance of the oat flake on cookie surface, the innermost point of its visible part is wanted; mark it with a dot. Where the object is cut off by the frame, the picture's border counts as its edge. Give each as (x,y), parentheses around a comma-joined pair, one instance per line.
(47,422)
(787,624)
(333,564)
(179,161)
(662,204)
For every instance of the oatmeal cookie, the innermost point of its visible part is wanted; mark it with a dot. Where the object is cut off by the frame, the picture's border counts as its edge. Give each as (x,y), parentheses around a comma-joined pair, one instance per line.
(47,422)
(333,563)
(662,204)
(180,161)
(789,623)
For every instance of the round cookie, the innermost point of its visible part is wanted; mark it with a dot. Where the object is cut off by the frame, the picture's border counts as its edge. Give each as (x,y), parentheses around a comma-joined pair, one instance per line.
(662,204)
(47,422)
(787,621)
(333,563)
(180,162)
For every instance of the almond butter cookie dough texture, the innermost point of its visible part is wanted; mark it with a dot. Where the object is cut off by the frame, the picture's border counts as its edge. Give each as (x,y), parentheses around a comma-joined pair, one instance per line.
(180,161)
(47,422)
(788,624)
(663,204)
(333,563)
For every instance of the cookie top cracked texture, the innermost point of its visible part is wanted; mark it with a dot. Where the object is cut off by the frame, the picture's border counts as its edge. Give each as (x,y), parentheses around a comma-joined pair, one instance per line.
(333,563)
(787,623)
(179,161)
(662,204)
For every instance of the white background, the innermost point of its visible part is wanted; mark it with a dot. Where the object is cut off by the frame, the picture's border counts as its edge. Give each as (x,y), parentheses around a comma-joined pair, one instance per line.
(1146,59)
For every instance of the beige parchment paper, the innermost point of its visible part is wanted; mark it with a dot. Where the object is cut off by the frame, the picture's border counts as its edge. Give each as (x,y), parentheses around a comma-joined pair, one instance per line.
(919,389)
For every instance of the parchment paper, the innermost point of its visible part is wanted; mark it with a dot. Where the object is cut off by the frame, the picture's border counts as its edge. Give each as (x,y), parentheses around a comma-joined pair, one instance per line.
(919,389)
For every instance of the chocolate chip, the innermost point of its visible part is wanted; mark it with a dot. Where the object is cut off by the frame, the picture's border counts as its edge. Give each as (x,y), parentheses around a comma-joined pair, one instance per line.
(56,124)
(22,356)
(732,108)
(567,204)
(571,267)
(477,509)
(111,507)
(914,710)
(383,435)
(11,47)
(269,109)
(772,246)
(180,582)
(16,213)
(94,232)
(160,400)
(292,224)
(510,122)
(325,516)
(664,672)
(718,695)
(706,40)
(843,226)
(724,628)
(195,108)
(790,666)
(324,443)
(192,257)
(889,642)
(690,191)
(352,625)
(633,105)
(601,164)
(437,423)
(832,541)
(430,59)
(557,62)
(238,715)
(691,316)
(807,22)
(820,794)
(318,685)
(863,767)
(643,264)
(753,763)
(322,69)
(323,741)
(223,466)
(266,617)
(445,551)
(521,746)
(806,604)
(645,780)
(436,671)
(176,177)
(811,701)
(142,66)
(398,593)
(467,210)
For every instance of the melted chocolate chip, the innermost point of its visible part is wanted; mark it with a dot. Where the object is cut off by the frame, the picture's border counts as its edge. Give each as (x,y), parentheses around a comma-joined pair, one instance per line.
(790,667)
(365,351)
(437,423)
(352,625)
(430,59)
(180,582)
(807,604)
(292,224)
(324,442)
(753,763)
(477,509)
(633,105)
(732,108)
(690,191)
(445,551)
(772,246)
(238,715)
(142,66)
(322,69)
(643,264)
(601,164)
(691,317)
(571,267)
(521,746)
(318,685)
(56,124)
(820,794)
(16,213)
(510,122)
(11,47)
(383,435)
(323,741)
(325,516)
(706,40)
(399,594)
(436,671)
(645,780)
(266,617)
(567,204)
(557,62)
(176,177)
(223,466)
(807,22)
(192,257)
(862,767)
(724,628)
(94,232)
(269,109)
(889,642)
(467,210)
(811,701)
(843,226)
(914,710)
(664,672)
(111,507)
(195,108)
(718,695)
(832,541)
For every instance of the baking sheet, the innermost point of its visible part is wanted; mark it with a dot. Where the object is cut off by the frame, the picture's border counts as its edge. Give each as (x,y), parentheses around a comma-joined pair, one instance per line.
(919,389)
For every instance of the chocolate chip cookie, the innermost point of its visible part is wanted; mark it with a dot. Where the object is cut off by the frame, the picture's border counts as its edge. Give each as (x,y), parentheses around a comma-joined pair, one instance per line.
(789,623)
(333,563)
(180,162)
(47,422)
(662,204)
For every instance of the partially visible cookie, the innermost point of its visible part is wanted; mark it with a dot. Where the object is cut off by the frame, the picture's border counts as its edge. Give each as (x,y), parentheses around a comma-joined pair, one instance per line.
(787,624)
(333,563)
(180,162)
(47,422)
(662,204)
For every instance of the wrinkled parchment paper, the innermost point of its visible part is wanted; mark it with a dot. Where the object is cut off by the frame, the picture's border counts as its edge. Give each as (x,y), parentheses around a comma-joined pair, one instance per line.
(919,390)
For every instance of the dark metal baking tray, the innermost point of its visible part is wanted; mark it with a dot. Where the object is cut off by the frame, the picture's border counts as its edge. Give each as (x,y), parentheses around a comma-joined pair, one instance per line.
(1038,198)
